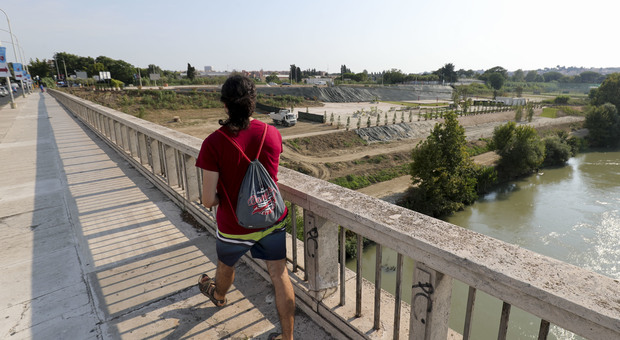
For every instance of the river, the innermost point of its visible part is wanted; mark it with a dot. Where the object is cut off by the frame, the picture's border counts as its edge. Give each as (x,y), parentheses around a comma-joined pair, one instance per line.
(571,213)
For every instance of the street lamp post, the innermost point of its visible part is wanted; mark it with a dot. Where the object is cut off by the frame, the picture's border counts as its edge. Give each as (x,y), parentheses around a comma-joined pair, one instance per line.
(14,50)
(8,79)
(66,80)
(21,53)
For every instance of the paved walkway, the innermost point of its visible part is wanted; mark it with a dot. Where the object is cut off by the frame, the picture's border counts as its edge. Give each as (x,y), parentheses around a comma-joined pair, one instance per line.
(89,249)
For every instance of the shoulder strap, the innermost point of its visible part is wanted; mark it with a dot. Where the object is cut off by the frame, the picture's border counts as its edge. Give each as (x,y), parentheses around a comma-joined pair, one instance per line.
(260,147)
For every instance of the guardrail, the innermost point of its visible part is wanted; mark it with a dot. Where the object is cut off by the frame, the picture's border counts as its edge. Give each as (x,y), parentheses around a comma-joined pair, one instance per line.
(345,303)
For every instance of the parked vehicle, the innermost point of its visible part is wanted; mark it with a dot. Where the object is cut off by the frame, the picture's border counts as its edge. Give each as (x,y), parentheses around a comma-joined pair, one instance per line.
(284,118)
(3,92)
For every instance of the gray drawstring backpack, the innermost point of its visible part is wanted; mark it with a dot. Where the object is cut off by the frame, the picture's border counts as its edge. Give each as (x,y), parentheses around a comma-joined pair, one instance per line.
(259,203)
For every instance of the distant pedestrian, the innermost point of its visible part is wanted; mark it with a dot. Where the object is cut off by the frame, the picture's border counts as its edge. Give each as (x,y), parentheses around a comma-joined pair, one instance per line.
(41,87)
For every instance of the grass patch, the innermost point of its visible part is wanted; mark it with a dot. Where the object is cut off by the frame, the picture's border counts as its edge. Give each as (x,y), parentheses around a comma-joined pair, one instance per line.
(355,182)
(402,103)
(549,112)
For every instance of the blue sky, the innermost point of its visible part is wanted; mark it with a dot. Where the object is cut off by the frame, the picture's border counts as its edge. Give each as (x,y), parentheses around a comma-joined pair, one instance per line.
(413,36)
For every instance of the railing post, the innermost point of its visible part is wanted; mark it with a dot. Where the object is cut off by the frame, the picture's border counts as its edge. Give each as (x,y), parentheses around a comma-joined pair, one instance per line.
(321,255)
(430,304)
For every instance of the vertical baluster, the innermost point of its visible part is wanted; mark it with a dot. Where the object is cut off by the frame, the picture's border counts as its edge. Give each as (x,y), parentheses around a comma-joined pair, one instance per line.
(358,281)
(171,166)
(178,158)
(469,313)
(378,272)
(543,332)
(305,247)
(503,324)
(111,130)
(397,297)
(155,155)
(133,142)
(343,268)
(191,178)
(294,236)
(142,149)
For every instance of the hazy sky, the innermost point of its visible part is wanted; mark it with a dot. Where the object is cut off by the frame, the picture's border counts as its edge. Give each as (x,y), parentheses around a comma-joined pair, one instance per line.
(413,36)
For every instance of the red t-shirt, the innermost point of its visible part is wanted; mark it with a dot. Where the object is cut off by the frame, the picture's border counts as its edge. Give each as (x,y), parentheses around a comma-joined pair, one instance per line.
(218,154)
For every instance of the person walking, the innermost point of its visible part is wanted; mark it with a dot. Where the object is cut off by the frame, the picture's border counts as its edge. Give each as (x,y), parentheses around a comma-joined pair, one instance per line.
(223,168)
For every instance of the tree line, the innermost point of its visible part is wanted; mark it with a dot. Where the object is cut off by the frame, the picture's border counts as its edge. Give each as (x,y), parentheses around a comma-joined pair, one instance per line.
(119,69)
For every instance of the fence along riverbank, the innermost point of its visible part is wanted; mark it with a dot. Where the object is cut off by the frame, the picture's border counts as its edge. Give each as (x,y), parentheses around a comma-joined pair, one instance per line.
(342,301)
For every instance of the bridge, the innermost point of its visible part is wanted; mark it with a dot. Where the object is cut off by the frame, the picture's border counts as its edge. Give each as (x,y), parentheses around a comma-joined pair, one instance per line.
(104,237)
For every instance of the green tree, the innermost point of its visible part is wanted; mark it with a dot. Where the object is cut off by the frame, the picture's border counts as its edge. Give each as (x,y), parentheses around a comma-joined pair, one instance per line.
(519,91)
(591,77)
(393,76)
(603,124)
(447,73)
(518,113)
(518,76)
(551,76)
(292,76)
(496,82)
(520,149)
(191,72)
(497,69)
(531,76)
(272,78)
(530,111)
(119,69)
(40,68)
(609,91)
(444,176)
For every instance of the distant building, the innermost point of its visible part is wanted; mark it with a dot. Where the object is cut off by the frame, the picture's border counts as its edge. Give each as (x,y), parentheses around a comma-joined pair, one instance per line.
(208,69)
(319,81)
(511,101)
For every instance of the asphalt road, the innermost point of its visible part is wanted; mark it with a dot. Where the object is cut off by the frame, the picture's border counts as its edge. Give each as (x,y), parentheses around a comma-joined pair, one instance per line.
(7,99)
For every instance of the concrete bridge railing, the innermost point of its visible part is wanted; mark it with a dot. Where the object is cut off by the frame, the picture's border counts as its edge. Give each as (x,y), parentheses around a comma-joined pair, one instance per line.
(342,301)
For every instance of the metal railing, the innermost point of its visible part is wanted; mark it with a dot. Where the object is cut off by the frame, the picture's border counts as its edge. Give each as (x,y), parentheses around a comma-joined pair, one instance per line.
(341,300)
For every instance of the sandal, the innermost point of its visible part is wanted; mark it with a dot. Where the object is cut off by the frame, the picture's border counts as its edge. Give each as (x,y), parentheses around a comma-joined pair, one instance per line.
(275,336)
(207,288)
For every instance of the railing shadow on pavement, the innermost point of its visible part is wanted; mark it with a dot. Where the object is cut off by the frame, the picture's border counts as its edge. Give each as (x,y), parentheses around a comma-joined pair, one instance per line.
(141,260)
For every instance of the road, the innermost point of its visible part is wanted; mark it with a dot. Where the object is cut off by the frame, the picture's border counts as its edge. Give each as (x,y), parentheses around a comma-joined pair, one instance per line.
(7,99)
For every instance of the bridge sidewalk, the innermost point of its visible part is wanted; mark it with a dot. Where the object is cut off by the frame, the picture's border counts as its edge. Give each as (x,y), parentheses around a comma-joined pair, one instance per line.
(91,250)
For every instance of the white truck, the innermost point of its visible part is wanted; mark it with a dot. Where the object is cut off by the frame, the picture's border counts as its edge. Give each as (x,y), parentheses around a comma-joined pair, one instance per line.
(284,117)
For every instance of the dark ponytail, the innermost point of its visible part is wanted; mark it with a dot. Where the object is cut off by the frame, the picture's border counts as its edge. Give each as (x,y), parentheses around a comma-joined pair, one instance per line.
(239,96)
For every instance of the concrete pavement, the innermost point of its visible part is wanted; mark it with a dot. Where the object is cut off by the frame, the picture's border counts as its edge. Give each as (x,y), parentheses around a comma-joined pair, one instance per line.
(91,250)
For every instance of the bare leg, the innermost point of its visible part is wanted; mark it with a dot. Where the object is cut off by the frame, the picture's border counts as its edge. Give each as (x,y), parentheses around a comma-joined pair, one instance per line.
(285,296)
(224,277)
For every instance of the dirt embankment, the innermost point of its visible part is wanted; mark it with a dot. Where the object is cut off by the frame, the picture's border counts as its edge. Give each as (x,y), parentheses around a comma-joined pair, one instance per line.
(347,94)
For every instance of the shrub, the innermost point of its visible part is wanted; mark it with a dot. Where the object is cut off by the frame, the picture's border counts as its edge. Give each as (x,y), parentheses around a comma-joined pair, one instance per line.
(561,100)
(522,151)
(603,123)
(557,151)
